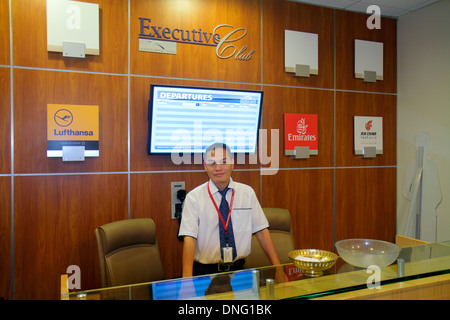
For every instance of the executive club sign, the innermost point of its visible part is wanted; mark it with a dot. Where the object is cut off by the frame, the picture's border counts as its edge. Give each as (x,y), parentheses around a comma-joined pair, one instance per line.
(223,37)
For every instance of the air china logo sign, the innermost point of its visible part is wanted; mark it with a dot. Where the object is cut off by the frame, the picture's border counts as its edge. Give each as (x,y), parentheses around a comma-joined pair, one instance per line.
(368,134)
(224,38)
(300,130)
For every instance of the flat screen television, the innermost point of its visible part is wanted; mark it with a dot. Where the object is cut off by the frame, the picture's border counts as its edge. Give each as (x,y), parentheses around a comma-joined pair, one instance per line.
(189,119)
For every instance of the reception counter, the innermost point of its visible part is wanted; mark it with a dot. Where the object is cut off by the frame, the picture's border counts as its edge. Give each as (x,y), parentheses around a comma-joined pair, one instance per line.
(423,274)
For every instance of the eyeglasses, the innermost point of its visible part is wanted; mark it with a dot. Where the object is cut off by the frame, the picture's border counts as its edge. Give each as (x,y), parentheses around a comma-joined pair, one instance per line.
(213,163)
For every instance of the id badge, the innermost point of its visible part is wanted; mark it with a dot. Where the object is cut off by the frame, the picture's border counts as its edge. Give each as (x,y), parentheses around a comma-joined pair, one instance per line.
(227,254)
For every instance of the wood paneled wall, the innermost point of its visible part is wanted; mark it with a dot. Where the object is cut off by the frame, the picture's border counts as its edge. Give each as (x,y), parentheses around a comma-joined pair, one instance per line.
(49,209)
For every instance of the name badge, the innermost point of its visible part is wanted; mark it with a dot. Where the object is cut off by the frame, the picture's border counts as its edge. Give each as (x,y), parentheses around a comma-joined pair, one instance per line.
(227,254)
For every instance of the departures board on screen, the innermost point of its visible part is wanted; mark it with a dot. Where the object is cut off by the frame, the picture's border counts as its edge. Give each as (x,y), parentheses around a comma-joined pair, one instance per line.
(189,119)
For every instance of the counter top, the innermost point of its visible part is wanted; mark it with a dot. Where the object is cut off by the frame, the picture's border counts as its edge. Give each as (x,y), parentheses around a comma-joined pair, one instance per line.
(421,262)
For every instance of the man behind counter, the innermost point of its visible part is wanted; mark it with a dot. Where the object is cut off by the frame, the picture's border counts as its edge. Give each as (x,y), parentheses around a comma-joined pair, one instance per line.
(214,242)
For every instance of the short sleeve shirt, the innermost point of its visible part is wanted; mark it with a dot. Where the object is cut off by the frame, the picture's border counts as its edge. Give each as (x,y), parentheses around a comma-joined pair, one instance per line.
(200,220)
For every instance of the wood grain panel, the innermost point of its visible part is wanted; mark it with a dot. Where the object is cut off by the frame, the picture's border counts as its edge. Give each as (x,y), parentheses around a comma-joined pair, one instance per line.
(195,60)
(279,100)
(350,104)
(140,90)
(4,33)
(30,38)
(54,222)
(365,203)
(34,89)
(5,237)
(5,120)
(285,15)
(150,198)
(308,195)
(351,26)
(55,214)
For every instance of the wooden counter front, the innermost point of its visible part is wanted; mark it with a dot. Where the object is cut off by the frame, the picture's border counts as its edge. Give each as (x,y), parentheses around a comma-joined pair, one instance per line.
(430,288)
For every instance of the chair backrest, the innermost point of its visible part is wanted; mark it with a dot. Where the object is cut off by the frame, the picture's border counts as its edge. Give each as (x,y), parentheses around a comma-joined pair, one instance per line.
(128,252)
(280,229)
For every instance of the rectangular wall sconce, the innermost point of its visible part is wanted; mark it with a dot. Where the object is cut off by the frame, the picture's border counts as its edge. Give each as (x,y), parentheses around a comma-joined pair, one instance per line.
(301,54)
(368,60)
(73,28)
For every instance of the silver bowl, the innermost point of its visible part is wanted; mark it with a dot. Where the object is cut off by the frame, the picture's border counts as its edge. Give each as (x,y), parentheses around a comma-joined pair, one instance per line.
(366,252)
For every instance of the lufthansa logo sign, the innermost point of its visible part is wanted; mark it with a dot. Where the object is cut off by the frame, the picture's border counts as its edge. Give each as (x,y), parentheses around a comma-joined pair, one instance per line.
(72,125)
(63,118)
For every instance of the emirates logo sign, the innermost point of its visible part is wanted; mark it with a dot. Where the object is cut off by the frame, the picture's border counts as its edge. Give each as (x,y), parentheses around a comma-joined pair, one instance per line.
(300,130)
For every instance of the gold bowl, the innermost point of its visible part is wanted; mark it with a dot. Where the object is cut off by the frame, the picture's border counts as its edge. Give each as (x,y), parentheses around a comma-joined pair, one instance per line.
(313,261)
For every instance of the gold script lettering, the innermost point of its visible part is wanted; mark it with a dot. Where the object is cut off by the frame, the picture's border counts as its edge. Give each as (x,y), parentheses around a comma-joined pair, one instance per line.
(224,45)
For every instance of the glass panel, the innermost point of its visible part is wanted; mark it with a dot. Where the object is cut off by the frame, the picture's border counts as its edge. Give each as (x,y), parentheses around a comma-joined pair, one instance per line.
(288,280)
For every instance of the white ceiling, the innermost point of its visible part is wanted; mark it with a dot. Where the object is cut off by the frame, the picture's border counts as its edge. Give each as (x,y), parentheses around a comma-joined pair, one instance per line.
(389,8)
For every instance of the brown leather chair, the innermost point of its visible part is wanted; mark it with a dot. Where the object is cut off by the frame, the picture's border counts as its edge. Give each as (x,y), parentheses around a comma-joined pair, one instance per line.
(128,252)
(280,229)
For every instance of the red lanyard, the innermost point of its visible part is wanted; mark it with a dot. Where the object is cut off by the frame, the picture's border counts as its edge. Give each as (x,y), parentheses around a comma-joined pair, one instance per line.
(225,225)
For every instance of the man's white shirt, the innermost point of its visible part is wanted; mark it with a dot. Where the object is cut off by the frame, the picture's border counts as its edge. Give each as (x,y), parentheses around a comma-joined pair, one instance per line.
(200,220)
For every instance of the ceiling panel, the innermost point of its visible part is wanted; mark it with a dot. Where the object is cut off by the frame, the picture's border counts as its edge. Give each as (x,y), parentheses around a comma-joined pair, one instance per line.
(389,8)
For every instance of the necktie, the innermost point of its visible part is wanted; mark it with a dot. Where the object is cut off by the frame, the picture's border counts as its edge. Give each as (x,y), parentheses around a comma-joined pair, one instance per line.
(226,237)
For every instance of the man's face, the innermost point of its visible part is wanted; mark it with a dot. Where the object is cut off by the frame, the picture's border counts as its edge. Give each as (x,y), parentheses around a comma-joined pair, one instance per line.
(218,165)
